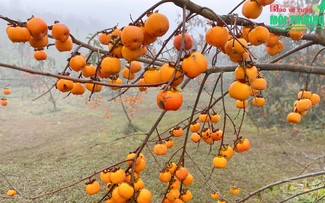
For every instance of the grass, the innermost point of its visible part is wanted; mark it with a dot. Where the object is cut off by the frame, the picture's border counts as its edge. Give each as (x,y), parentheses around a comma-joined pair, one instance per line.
(42,150)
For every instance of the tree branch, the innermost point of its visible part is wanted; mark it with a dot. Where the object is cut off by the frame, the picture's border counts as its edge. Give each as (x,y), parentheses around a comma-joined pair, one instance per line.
(195,8)
(302,193)
(274,67)
(281,182)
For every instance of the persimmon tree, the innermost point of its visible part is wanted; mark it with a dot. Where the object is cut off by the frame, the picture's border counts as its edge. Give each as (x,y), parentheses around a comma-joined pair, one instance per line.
(127,60)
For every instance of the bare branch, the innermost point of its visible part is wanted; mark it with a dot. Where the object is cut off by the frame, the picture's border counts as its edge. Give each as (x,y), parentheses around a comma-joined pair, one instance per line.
(319,173)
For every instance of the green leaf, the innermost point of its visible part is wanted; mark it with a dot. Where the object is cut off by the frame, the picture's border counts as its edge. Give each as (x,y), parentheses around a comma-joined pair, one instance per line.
(315,9)
(289,187)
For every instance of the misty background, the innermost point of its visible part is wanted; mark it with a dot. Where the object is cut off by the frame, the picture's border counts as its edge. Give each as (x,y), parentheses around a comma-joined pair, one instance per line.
(85,17)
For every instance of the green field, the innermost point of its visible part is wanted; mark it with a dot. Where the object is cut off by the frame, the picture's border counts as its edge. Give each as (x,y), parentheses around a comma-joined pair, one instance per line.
(42,150)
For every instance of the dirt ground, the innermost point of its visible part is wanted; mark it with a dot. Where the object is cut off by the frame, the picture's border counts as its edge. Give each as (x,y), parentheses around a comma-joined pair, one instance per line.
(42,150)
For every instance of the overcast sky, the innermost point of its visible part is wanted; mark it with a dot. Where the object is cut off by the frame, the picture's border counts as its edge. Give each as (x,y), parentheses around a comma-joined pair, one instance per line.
(106,11)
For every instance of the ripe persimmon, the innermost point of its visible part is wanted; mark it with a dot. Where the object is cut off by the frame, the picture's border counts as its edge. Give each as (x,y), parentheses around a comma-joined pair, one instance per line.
(259,83)
(64,46)
(142,82)
(144,196)
(315,99)
(304,94)
(236,46)
(249,73)
(169,100)
(251,9)
(78,89)
(116,81)
(115,50)
(165,176)
(188,41)
(147,38)
(234,190)
(215,195)
(92,187)
(60,31)
(110,65)
(242,144)
(302,105)
(294,117)
(127,74)
(38,43)
(125,190)
(117,197)
(240,91)
(132,156)
(241,104)
(156,24)
(276,49)
(11,192)
(226,151)
(131,54)
(258,101)
(176,132)
(296,31)
(138,184)
(265,2)
(6,90)
(135,66)
(132,37)
(40,55)
(167,72)
(89,70)
(18,34)
(188,180)
(186,195)
(93,87)
(117,176)
(171,167)
(4,102)
(195,137)
(217,36)
(273,39)
(219,162)
(173,194)
(152,76)
(64,85)
(37,27)
(104,38)
(216,134)
(160,149)
(116,33)
(259,35)
(181,173)
(195,126)
(105,176)
(194,65)
(215,118)
(204,117)
(77,62)
(245,32)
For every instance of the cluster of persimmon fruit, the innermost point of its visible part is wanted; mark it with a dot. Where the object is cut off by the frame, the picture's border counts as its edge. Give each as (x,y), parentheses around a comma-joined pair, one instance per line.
(123,185)
(203,128)
(35,32)
(249,83)
(177,178)
(3,100)
(305,101)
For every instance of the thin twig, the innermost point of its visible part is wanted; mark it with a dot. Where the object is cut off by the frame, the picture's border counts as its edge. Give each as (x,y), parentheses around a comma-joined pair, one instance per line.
(319,173)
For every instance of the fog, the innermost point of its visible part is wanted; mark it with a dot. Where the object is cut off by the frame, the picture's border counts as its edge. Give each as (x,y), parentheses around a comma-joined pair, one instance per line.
(90,16)
(96,14)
